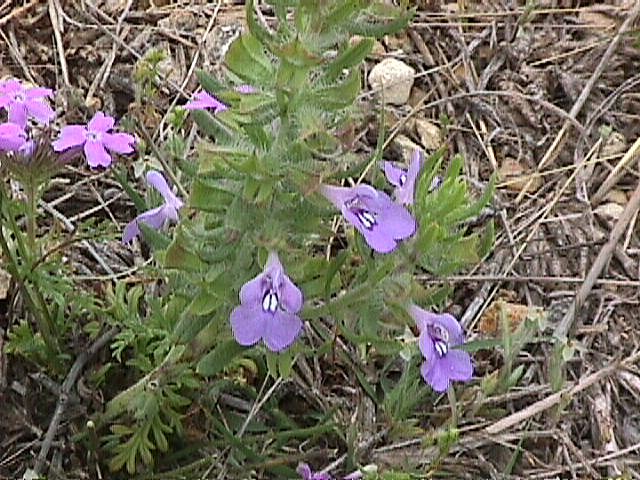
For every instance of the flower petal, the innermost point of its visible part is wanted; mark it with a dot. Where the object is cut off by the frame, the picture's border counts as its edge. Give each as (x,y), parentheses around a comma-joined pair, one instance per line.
(424,318)
(12,137)
(289,294)
(70,136)
(100,123)
(252,292)
(157,181)
(376,237)
(406,193)
(435,376)
(304,470)
(38,92)
(248,323)
(39,110)
(131,231)
(154,218)
(245,89)
(11,87)
(281,330)
(394,174)
(203,100)
(119,142)
(96,155)
(337,195)
(396,221)
(457,364)
(18,114)
(425,342)
(449,322)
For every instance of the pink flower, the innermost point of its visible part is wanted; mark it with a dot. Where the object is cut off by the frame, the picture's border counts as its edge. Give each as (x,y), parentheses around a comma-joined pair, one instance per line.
(245,89)
(405,180)
(440,335)
(203,100)
(268,310)
(22,102)
(12,137)
(96,139)
(158,217)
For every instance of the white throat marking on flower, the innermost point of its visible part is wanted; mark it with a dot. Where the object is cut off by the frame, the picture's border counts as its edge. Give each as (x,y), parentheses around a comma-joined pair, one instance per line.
(270,302)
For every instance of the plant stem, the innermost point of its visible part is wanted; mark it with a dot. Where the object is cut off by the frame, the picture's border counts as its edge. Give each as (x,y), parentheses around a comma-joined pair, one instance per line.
(32,212)
(33,296)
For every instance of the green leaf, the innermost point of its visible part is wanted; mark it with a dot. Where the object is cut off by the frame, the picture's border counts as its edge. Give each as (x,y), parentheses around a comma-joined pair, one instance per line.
(204,303)
(297,55)
(256,28)
(351,57)
(208,197)
(343,12)
(272,364)
(332,270)
(247,59)
(157,240)
(179,257)
(219,358)
(209,83)
(212,125)
(380,29)
(136,198)
(341,95)
(285,363)
(477,345)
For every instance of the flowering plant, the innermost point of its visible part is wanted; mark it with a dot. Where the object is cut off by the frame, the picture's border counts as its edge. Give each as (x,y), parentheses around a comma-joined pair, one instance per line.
(286,242)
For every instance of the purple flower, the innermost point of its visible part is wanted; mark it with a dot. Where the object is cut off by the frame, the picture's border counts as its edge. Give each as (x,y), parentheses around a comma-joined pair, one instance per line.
(158,217)
(438,333)
(405,180)
(268,309)
(306,473)
(12,137)
(22,103)
(382,222)
(96,138)
(245,89)
(203,100)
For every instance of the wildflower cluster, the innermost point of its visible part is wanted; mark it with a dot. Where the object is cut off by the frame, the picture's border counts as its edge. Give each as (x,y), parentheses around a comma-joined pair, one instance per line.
(268,184)
(270,303)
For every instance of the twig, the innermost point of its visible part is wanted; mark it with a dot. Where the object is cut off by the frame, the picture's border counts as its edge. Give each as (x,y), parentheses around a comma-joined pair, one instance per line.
(430,280)
(617,172)
(554,149)
(65,391)
(54,8)
(548,402)
(599,263)
(17,11)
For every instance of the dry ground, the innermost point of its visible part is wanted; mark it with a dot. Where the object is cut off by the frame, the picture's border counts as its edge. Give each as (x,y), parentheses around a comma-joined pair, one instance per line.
(548,98)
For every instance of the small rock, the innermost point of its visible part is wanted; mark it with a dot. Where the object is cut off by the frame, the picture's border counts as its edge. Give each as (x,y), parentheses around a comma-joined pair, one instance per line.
(429,133)
(617,196)
(614,144)
(517,177)
(406,147)
(417,97)
(399,42)
(393,79)
(378,50)
(610,211)
(5,284)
